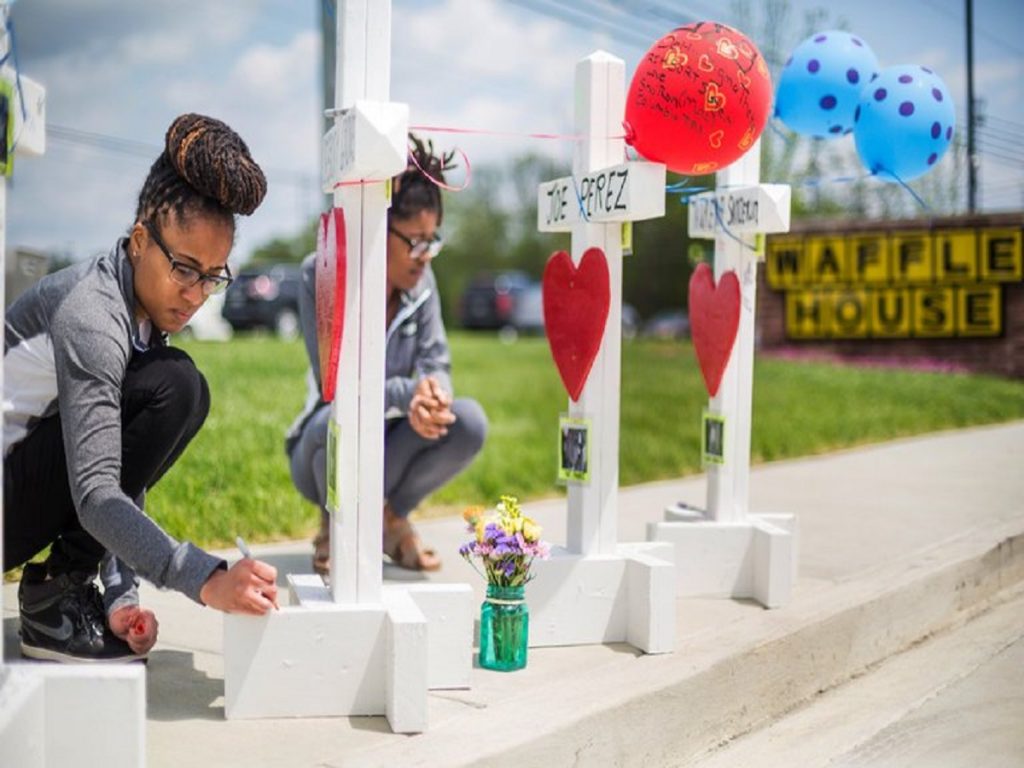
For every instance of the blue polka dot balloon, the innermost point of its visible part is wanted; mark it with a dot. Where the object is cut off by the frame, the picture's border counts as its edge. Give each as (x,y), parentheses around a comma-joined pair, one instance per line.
(904,122)
(821,84)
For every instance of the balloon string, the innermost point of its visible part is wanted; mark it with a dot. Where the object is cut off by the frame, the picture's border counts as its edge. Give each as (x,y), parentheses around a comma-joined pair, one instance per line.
(438,182)
(902,183)
(579,198)
(789,139)
(727,231)
(441,184)
(516,134)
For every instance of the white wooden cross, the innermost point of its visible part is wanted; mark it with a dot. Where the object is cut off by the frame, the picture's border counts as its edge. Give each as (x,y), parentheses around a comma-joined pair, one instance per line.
(50,714)
(726,551)
(596,589)
(358,648)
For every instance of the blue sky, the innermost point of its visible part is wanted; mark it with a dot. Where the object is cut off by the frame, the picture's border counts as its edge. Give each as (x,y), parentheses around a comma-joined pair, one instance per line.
(125,69)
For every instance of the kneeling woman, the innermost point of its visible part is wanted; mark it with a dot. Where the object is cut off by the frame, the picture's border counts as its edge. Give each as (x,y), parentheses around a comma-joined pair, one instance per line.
(97,408)
(429,435)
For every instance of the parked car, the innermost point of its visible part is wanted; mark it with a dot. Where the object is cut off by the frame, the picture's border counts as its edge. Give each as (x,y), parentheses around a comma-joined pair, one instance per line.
(668,324)
(490,299)
(265,297)
(528,316)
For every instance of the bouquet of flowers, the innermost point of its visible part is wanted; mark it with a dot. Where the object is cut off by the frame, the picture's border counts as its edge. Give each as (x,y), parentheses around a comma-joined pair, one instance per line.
(505,540)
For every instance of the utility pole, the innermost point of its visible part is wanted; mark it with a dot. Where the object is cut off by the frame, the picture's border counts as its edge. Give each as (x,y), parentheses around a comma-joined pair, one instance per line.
(328,44)
(972,152)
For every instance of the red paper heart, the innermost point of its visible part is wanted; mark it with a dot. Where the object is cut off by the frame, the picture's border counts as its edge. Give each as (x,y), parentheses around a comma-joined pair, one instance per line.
(330,296)
(576,301)
(714,321)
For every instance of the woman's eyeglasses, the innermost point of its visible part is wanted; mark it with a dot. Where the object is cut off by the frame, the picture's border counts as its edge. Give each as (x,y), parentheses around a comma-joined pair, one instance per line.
(188,276)
(420,247)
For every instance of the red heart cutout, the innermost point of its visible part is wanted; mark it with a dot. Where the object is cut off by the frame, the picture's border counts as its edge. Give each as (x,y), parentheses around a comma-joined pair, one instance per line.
(576,301)
(714,321)
(330,296)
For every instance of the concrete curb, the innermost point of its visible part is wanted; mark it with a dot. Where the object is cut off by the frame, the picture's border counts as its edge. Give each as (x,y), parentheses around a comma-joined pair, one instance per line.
(652,711)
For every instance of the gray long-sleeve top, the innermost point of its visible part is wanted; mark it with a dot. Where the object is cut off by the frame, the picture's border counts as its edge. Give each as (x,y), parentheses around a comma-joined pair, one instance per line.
(67,344)
(417,346)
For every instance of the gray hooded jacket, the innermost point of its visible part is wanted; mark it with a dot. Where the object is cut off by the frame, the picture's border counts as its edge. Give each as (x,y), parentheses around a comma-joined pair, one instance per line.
(417,346)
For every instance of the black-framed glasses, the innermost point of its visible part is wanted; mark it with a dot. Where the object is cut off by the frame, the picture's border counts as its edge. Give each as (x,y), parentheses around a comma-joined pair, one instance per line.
(420,247)
(188,276)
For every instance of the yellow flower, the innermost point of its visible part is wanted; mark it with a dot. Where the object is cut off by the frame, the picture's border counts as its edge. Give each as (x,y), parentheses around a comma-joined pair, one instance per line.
(531,531)
(480,525)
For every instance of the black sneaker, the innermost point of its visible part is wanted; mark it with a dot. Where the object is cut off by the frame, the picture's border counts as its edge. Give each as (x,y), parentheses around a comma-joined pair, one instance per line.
(62,619)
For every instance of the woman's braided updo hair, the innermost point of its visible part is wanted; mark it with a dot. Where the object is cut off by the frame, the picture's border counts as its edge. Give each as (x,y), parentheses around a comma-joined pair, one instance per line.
(411,190)
(205,168)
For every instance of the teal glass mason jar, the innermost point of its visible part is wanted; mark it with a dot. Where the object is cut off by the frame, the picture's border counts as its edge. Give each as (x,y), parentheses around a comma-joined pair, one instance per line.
(504,628)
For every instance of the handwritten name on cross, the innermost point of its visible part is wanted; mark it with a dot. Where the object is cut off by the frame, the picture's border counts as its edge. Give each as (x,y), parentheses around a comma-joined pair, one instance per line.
(757,209)
(627,192)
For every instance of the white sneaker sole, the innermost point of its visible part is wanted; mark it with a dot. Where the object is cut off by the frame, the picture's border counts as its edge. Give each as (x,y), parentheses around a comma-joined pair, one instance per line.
(46,654)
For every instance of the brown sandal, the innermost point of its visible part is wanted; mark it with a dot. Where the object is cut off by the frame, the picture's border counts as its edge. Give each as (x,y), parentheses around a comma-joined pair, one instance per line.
(322,553)
(404,547)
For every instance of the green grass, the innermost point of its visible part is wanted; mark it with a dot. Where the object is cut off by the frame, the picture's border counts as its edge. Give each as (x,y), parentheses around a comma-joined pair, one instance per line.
(234,478)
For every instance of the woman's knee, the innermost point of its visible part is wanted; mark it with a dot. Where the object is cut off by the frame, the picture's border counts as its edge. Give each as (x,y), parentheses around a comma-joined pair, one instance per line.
(167,377)
(470,427)
(308,457)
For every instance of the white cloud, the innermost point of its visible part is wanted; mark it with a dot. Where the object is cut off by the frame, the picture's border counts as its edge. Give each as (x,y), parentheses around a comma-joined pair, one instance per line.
(126,69)
(269,94)
(484,65)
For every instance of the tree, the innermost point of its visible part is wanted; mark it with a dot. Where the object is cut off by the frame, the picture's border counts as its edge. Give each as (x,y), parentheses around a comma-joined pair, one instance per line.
(288,249)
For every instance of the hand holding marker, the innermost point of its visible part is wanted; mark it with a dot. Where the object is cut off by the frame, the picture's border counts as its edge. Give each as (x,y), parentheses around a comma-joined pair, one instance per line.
(247,553)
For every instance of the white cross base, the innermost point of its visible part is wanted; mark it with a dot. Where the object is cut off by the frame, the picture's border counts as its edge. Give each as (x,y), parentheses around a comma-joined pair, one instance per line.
(50,714)
(597,590)
(724,551)
(358,648)
(317,657)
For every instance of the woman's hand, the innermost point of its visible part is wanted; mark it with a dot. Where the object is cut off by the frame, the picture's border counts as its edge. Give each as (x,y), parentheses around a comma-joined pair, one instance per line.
(248,586)
(430,409)
(136,626)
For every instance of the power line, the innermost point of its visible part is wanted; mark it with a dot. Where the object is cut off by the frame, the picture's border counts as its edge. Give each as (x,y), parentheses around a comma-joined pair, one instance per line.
(1010,123)
(1007,158)
(115,144)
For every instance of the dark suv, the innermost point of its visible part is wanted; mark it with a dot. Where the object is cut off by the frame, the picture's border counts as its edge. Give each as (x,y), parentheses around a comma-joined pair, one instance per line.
(265,297)
(490,299)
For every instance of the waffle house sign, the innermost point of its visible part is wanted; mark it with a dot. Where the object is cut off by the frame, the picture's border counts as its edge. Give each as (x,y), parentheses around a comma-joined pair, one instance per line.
(926,283)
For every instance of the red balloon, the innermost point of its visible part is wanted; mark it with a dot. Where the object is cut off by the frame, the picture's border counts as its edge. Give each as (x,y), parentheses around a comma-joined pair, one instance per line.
(699,99)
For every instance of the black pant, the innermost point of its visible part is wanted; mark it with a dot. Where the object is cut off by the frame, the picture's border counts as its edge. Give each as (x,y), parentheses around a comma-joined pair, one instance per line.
(164,402)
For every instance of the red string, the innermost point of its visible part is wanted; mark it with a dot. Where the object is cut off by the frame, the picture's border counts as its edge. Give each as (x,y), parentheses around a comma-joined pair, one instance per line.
(465,157)
(483,132)
(441,184)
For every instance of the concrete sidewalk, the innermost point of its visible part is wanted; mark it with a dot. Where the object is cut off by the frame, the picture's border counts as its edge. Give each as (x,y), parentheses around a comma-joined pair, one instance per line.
(897,541)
